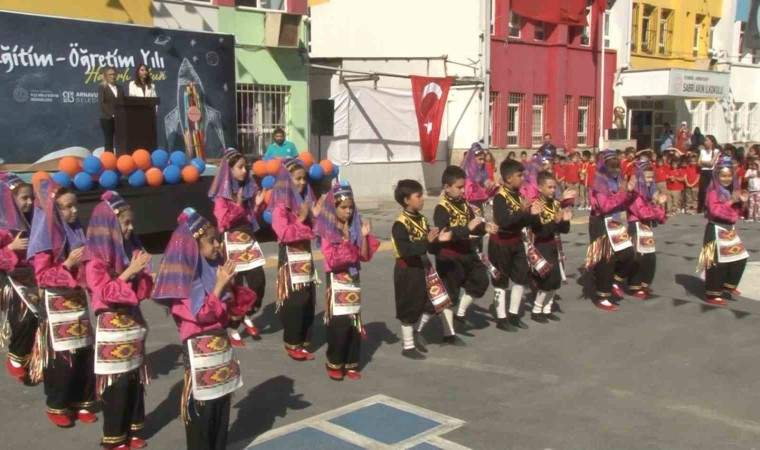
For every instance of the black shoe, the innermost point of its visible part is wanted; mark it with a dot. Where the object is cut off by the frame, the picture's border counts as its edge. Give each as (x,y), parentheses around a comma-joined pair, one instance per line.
(556,308)
(553,317)
(454,340)
(462,323)
(515,321)
(504,325)
(538,317)
(412,353)
(420,342)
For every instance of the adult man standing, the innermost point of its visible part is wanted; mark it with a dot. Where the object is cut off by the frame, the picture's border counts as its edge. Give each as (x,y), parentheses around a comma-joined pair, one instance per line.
(548,149)
(281,148)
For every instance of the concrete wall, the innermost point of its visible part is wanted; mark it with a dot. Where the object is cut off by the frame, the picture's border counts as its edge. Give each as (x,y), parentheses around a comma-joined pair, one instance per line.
(127,11)
(185,16)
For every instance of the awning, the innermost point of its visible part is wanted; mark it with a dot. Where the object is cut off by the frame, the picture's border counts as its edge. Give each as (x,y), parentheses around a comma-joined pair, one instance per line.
(681,83)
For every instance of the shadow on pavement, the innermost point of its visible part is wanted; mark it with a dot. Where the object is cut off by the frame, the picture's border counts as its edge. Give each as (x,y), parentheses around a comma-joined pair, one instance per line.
(377,335)
(269,320)
(260,408)
(165,413)
(693,284)
(163,360)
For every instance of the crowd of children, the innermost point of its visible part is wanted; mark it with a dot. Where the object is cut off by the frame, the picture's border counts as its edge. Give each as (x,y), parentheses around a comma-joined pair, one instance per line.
(211,278)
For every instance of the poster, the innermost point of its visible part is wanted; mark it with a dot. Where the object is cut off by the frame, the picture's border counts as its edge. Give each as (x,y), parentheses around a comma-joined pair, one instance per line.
(50,71)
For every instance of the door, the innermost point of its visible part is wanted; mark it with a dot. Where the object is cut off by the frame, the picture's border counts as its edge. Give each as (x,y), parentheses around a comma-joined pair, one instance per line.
(641,128)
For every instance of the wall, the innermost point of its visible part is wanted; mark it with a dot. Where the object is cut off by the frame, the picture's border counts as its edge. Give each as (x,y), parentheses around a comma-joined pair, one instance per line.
(185,16)
(129,11)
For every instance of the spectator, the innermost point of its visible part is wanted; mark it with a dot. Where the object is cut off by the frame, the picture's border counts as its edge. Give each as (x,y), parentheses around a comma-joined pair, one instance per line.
(666,140)
(490,165)
(511,156)
(280,148)
(708,156)
(683,138)
(675,187)
(697,138)
(548,149)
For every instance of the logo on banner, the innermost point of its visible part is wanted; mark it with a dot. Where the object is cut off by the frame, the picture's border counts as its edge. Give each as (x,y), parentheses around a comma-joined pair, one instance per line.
(430,102)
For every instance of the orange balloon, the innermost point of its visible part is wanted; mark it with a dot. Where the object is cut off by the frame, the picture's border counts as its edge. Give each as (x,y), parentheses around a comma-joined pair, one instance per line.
(142,159)
(154,176)
(327,166)
(306,159)
(268,196)
(70,166)
(108,160)
(260,169)
(39,176)
(190,174)
(273,166)
(126,165)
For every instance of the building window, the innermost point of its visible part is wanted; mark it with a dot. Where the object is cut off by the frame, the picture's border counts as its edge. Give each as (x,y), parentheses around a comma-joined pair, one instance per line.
(713,24)
(739,120)
(497,139)
(584,114)
(539,32)
(648,30)
(514,25)
(513,119)
(260,109)
(697,32)
(493,15)
(708,121)
(537,120)
(665,32)
(607,29)
(586,31)
(277,5)
(634,28)
(567,117)
(753,120)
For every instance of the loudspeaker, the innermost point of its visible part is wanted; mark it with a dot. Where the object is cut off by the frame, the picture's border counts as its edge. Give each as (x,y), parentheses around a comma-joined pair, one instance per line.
(616,134)
(322,117)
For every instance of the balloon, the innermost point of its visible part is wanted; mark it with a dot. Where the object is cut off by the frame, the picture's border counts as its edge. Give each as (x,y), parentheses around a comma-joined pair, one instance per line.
(178,158)
(126,164)
(154,176)
(336,170)
(273,166)
(268,197)
(172,174)
(198,164)
(137,179)
(268,182)
(63,179)
(142,159)
(92,165)
(109,179)
(159,158)
(260,169)
(327,166)
(316,172)
(108,160)
(268,158)
(39,176)
(267,216)
(69,165)
(83,181)
(190,174)
(306,158)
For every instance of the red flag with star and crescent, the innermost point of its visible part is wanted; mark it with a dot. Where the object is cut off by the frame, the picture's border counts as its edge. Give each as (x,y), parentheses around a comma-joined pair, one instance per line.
(430,102)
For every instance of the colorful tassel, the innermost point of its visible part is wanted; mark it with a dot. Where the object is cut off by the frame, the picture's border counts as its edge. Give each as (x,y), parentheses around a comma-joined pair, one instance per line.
(39,358)
(707,256)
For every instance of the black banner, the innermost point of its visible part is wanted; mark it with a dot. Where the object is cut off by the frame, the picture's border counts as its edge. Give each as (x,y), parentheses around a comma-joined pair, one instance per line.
(752,33)
(50,72)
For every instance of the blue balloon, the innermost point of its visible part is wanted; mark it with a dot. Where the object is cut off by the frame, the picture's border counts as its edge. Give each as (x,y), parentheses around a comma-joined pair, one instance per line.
(267,216)
(83,181)
(160,158)
(137,179)
(316,172)
(198,164)
(268,182)
(178,158)
(109,179)
(172,174)
(336,171)
(92,165)
(62,179)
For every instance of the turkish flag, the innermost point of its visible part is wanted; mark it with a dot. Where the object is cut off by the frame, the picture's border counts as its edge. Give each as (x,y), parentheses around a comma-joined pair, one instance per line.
(567,12)
(430,103)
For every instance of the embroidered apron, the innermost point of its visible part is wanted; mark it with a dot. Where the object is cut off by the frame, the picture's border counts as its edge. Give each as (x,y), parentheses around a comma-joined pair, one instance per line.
(119,342)
(644,238)
(23,282)
(68,318)
(214,370)
(617,234)
(243,250)
(730,247)
(300,264)
(345,294)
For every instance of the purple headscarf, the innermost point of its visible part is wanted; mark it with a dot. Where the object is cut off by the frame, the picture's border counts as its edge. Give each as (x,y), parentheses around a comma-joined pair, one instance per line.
(724,163)
(475,172)
(604,182)
(326,226)
(11,217)
(183,272)
(642,189)
(529,188)
(49,231)
(104,238)
(225,186)
(285,192)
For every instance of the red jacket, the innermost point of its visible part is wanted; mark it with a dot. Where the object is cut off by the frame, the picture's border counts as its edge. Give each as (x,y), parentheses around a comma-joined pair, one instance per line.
(559,172)
(661,173)
(675,185)
(571,173)
(590,174)
(692,177)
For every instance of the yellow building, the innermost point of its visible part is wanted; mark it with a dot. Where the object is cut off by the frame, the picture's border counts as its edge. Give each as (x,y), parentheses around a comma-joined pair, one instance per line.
(125,11)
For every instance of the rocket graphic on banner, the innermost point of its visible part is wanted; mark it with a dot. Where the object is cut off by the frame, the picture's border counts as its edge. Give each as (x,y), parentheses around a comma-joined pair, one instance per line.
(430,102)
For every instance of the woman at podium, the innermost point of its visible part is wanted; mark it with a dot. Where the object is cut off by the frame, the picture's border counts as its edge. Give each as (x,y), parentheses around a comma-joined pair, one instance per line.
(108,92)
(142,85)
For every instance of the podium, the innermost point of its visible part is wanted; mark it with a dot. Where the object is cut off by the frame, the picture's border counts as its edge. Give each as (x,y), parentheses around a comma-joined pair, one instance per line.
(135,124)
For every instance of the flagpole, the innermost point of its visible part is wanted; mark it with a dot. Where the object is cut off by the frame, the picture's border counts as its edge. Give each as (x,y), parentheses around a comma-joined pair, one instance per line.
(601,86)
(486,68)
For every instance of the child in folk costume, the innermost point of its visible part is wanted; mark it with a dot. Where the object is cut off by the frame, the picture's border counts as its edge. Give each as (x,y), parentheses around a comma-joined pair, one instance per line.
(292,219)
(723,256)
(345,240)
(196,285)
(236,204)
(419,292)
(118,279)
(63,353)
(506,248)
(478,186)
(19,301)
(459,262)
(552,221)
(645,212)
(610,252)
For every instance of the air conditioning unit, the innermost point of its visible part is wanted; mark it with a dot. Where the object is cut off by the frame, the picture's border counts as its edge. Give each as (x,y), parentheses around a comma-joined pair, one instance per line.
(282,30)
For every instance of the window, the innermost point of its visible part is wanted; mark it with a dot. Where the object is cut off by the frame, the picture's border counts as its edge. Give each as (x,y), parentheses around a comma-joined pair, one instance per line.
(278,5)
(567,114)
(697,31)
(586,31)
(539,32)
(634,28)
(739,119)
(497,139)
(260,109)
(537,120)
(513,119)
(753,120)
(514,25)
(665,32)
(648,30)
(707,119)
(584,114)
(742,50)
(607,29)
(713,24)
